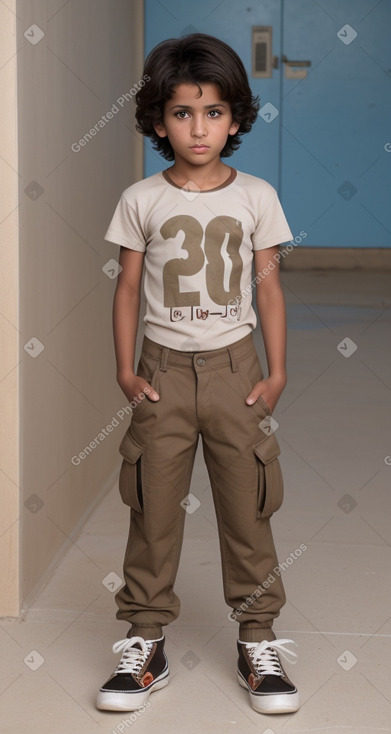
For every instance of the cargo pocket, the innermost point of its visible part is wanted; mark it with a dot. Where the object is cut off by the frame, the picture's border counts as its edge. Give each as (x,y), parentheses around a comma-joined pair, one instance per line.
(270,481)
(130,477)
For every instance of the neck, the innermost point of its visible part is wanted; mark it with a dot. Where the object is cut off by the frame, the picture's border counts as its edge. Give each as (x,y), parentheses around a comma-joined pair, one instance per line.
(205,177)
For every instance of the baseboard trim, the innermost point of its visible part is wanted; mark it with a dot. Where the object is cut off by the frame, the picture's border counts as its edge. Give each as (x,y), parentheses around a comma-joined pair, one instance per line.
(337,258)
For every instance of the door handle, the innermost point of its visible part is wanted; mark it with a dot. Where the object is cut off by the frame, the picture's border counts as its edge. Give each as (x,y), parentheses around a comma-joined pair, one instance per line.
(289,62)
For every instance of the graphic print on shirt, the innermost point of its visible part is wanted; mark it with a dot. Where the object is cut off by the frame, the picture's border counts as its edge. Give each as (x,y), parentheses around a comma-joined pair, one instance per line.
(199,255)
(222,231)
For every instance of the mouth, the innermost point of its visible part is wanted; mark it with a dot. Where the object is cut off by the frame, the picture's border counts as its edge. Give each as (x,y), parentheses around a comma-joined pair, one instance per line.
(199,148)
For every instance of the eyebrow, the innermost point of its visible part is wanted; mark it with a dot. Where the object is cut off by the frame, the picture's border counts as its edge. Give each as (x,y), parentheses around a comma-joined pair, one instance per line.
(206,107)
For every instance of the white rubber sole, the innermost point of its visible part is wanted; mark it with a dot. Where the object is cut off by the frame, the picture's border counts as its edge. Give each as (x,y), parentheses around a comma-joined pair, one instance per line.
(112,701)
(280,703)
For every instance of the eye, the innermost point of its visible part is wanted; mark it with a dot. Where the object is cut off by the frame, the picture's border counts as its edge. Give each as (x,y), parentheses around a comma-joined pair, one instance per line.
(215,113)
(181,115)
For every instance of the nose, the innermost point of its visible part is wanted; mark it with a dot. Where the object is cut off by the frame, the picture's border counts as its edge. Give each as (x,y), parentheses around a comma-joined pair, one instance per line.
(198,129)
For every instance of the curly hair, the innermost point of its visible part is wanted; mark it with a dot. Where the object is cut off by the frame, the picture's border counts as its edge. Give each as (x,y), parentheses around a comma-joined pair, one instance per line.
(194,59)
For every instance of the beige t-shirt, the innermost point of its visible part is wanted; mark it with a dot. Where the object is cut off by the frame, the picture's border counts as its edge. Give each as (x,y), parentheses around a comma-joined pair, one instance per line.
(198,254)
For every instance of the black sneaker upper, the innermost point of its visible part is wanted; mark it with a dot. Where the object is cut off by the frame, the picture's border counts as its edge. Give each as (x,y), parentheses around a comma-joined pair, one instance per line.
(138,668)
(261,668)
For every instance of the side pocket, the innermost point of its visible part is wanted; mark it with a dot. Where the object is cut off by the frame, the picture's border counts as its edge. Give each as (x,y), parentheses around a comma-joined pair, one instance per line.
(270,481)
(130,477)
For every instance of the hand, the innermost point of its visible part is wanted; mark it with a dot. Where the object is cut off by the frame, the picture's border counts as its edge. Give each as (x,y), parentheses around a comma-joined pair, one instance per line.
(270,391)
(133,386)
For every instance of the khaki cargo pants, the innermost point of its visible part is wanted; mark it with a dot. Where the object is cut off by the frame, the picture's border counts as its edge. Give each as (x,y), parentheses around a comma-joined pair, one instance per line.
(200,393)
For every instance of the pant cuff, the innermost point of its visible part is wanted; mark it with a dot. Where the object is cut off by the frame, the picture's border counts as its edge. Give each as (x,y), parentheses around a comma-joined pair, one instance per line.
(255,633)
(147,631)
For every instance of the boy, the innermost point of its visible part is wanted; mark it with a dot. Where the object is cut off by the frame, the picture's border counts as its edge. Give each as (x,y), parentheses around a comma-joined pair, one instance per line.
(197,227)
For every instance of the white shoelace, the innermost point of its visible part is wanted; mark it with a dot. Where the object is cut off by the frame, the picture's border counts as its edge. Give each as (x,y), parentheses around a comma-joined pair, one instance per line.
(265,658)
(132,659)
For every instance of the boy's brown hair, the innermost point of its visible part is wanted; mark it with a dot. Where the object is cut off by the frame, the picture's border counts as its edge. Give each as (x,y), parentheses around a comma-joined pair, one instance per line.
(194,59)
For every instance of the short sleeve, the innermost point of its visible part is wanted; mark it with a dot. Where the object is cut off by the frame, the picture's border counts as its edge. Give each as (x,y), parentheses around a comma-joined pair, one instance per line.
(125,228)
(272,227)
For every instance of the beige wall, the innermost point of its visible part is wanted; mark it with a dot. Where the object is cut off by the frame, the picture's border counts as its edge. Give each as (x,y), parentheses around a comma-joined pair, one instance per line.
(52,258)
(9,335)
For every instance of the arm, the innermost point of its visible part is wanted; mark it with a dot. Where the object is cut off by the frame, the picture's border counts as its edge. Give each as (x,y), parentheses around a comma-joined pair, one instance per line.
(272,317)
(126,307)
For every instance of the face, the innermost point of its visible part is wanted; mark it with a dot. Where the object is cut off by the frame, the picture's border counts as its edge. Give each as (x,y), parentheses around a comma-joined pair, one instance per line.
(197,126)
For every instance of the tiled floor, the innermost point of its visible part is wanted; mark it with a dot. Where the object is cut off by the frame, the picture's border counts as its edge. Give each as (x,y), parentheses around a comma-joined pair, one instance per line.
(335,438)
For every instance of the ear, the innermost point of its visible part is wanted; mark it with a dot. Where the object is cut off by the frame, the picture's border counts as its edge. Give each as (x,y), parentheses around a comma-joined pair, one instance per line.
(160,130)
(234,128)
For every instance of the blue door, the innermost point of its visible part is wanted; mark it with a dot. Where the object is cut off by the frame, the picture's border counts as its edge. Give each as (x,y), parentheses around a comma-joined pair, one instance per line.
(323,135)
(335,140)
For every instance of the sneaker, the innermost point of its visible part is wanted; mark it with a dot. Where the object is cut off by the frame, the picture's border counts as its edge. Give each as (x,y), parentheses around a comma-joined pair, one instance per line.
(261,672)
(143,668)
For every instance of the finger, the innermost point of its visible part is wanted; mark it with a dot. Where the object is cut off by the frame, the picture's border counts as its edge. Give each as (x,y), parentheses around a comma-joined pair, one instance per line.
(151,393)
(254,394)
(250,399)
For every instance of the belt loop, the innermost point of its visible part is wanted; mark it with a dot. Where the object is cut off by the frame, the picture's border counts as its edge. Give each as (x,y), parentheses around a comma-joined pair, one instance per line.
(234,364)
(164,359)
